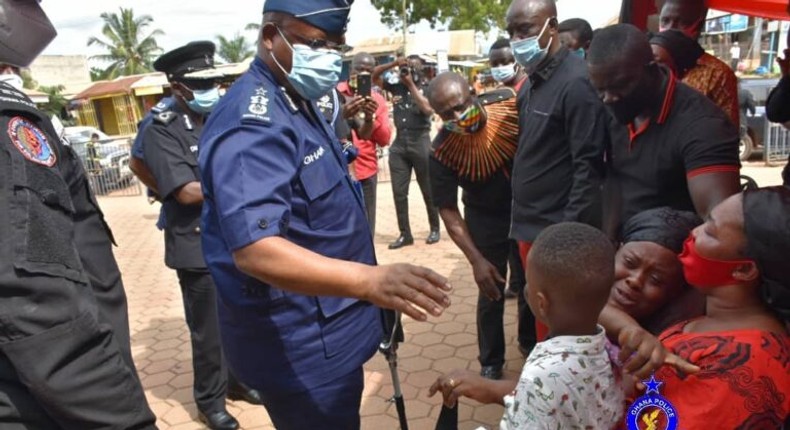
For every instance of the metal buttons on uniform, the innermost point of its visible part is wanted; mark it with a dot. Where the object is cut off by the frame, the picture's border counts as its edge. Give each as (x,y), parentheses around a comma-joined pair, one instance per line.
(263,224)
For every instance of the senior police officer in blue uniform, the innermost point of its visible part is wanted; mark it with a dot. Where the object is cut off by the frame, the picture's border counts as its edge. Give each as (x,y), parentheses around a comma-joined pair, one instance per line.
(170,152)
(285,234)
(61,365)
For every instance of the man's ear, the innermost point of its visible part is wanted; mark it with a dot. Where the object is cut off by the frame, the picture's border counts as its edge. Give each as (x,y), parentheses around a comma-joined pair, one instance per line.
(268,31)
(543,305)
(747,272)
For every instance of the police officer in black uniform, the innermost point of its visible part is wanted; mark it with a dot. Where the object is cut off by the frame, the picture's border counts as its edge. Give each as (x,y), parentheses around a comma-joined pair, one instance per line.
(171,147)
(412,143)
(60,364)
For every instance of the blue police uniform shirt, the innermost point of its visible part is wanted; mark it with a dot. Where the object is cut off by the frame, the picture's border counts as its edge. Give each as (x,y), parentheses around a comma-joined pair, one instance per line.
(269,170)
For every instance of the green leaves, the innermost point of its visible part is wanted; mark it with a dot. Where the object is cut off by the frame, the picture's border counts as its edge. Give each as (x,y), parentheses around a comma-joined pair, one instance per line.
(480,15)
(234,50)
(129,50)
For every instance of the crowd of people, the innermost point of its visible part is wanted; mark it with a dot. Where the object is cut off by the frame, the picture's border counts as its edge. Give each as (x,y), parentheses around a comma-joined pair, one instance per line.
(600,186)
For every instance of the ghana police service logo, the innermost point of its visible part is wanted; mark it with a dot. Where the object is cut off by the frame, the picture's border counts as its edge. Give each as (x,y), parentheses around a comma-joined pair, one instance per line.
(31,141)
(652,411)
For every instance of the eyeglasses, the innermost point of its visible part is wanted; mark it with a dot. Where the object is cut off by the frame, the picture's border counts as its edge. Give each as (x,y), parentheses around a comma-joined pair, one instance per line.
(318,43)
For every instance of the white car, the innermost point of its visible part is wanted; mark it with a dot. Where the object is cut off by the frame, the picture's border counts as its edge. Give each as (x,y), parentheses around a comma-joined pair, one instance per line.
(111,170)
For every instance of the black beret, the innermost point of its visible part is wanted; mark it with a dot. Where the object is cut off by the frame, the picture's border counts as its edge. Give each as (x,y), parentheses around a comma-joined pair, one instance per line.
(330,16)
(192,57)
(663,226)
(766,223)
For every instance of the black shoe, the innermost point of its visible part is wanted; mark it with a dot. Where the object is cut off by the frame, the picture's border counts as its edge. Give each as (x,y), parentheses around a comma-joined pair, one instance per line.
(403,240)
(510,293)
(242,392)
(433,237)
(491,372)
(218,420)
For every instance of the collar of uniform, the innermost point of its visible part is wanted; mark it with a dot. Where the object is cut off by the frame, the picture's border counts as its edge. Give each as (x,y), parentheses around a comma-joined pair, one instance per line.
(262,69)
(663,107)
(549,66)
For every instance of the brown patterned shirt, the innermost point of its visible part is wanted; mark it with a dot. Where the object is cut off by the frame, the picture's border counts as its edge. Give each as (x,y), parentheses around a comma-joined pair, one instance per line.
(716,80)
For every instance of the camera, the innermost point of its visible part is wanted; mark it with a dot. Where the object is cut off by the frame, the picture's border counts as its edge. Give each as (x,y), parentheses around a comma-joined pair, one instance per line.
(405,70)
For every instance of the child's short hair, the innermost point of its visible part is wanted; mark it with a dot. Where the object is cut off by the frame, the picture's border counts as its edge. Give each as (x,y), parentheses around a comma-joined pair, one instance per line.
(576,260)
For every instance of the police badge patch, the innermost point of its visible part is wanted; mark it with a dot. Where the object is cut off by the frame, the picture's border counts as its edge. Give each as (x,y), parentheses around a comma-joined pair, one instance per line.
(259,106)
(652,411)
(31,141)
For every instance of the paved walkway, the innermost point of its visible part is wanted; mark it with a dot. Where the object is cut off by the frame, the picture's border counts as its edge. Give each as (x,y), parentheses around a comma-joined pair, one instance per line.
(161,347)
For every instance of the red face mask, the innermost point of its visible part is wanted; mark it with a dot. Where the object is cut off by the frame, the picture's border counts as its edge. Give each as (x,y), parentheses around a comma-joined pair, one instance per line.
(703,272)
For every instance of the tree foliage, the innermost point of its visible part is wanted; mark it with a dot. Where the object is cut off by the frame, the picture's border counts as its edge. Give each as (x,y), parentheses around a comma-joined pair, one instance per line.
(234,50)
(56,101)
(480,15)
(129,50)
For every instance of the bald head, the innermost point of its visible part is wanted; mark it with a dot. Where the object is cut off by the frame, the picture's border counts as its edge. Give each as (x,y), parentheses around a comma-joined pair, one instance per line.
(547,8)
(449,95)
(620,43)
(363,62)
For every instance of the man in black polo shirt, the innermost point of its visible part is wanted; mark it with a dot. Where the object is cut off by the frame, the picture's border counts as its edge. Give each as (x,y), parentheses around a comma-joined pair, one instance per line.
(671,146)
(474,151)
(558,167)
(410,149)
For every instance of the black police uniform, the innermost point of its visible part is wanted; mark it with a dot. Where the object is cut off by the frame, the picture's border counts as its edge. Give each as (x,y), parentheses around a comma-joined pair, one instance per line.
(94,241)
(171,145)
(58,363)
(410,151)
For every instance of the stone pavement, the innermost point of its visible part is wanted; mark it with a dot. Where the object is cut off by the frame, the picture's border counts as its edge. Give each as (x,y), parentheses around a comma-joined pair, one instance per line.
(161,347)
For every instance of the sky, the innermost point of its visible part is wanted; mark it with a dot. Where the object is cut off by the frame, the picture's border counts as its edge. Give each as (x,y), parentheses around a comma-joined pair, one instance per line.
(185,21)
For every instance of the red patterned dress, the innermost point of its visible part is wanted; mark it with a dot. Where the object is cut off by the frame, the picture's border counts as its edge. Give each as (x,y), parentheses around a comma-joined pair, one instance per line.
(744,382)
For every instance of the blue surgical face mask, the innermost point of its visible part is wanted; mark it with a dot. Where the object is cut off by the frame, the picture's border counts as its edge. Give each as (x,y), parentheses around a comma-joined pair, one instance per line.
(314,72)
(12,79)
(503,74)
(528,52)
(203,101)
(581,53)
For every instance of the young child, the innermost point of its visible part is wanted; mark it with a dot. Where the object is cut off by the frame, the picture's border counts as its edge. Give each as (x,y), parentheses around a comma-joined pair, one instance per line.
(568,381)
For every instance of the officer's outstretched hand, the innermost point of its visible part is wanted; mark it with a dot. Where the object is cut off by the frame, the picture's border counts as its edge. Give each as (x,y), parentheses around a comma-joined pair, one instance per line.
(407,288)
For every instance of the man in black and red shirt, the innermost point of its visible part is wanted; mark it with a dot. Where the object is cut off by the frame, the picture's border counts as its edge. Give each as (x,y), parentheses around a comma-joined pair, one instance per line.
(670,145)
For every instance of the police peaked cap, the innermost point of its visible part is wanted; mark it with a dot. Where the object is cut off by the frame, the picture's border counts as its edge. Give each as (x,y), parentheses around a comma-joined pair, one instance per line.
(330,16)
(192,57)
(25,31)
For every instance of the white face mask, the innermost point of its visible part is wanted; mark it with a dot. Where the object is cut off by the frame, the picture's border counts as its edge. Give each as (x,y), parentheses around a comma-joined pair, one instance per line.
(13,80)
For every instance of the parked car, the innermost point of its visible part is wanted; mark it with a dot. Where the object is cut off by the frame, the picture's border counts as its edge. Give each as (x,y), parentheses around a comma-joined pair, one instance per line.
(753,137)
(108,167)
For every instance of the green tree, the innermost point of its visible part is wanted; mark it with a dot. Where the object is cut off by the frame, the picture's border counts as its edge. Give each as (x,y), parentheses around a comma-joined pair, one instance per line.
(253,26)
(480,15)
(56,101)
(27,79)
(234,50)
(128,49)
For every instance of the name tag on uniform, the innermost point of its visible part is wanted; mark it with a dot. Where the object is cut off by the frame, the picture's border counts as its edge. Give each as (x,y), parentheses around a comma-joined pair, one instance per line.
(315,156)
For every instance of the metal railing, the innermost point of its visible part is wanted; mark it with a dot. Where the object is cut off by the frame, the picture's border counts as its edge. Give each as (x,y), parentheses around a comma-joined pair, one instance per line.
(107,166)
(777,144)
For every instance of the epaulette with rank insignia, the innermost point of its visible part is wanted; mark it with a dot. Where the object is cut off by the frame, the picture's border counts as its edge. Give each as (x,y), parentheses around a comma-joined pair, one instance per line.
(497,95)
(165,118)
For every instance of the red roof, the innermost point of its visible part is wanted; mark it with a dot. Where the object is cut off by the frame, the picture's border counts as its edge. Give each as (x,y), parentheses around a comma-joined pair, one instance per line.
(122,85)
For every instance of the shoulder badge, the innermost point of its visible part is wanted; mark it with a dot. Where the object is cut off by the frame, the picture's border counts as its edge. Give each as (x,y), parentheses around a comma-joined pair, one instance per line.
(258,109)
(496,96)
(31,141)
(165,118)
